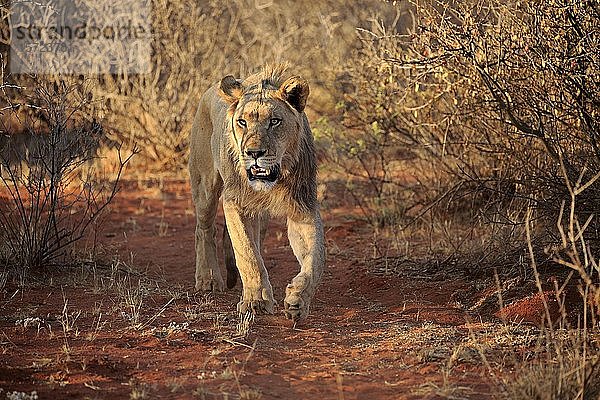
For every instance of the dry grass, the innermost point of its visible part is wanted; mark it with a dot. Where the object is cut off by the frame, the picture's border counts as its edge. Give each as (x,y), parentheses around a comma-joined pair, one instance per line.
(155,110)
(568,366)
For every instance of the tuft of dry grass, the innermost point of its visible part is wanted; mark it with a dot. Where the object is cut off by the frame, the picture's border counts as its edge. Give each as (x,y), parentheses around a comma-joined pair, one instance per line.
(568,376)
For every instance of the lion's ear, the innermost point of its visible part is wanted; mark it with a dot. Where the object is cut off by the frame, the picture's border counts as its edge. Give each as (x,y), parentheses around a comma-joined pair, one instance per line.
(295,91)
(230,89)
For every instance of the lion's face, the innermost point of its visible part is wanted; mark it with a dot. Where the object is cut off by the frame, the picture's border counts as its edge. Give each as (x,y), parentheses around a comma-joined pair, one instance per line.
(265,123)
(263,132)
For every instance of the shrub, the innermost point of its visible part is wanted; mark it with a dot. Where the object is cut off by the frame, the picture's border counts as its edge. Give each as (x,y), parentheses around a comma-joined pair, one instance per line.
(52,193)
(491,102)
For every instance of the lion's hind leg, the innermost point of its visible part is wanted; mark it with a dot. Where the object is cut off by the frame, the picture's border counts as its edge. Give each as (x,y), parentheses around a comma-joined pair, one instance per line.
(206,190)
(230,267)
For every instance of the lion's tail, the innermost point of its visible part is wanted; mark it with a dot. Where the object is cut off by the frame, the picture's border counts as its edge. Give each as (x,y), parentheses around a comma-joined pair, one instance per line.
(232,271)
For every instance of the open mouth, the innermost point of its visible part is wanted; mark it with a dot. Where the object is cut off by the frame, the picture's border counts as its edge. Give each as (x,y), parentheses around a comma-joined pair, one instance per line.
(263,174)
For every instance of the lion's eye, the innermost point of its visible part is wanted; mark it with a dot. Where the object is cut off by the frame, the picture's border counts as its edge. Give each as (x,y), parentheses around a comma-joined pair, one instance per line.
(242,122)
(275,121)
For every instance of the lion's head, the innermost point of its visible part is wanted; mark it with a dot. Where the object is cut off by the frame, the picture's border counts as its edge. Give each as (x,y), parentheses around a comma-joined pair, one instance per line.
(265,116)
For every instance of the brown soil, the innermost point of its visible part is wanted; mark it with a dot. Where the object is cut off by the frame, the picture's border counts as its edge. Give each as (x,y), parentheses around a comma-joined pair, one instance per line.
(369,336)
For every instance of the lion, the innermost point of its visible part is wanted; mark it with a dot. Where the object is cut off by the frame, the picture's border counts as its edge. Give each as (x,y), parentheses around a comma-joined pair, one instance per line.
(252,145)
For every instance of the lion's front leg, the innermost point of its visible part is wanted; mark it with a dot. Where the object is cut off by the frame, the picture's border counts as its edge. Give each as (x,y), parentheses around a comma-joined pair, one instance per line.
(257,293)
(307,241)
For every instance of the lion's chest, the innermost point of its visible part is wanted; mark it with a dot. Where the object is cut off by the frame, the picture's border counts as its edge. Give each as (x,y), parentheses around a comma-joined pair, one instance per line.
(277,201)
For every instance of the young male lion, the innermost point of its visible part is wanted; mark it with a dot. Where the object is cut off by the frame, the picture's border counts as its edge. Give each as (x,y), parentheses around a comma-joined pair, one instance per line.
(251,144)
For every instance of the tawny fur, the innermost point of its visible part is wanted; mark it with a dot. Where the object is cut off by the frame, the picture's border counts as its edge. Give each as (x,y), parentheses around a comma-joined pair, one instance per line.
(218,161)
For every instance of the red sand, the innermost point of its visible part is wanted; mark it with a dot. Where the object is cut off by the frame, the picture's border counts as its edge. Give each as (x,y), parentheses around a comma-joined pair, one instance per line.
(362,340)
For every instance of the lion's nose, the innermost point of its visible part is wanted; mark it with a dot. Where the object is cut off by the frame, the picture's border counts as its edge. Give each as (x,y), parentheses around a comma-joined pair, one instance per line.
(255,153)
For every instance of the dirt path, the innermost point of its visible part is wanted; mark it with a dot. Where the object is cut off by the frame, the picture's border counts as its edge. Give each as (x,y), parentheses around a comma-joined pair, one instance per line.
(369,336)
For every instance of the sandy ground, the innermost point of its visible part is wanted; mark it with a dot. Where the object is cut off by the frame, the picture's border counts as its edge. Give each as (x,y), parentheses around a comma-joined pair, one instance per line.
(137,330)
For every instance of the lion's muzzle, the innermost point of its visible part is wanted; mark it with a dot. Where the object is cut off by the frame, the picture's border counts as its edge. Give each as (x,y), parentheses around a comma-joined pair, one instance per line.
(256,172)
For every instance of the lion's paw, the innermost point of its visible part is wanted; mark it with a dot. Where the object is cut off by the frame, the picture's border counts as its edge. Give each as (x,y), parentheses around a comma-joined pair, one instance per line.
(297,298)
(211,283)
(258,301)
(295,307)
(256,307)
